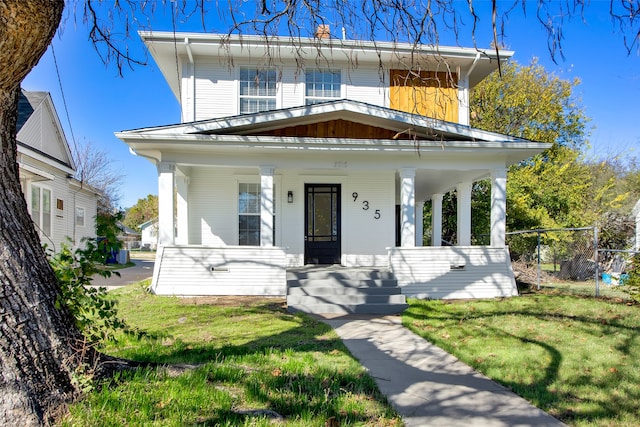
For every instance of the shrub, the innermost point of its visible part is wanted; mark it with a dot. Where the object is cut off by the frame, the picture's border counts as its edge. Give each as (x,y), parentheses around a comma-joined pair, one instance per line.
(632,283)
(94,312)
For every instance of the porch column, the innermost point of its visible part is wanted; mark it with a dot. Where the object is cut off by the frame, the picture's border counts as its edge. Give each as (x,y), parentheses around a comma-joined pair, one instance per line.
(166,217)
(266,205)
(420,223)
(464,213)
(498,207)
(436,219)
(182,210)
(408,214)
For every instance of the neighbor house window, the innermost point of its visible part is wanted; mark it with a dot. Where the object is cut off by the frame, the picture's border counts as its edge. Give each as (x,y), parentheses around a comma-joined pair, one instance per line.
(41,208)
(249,214)
(80,217)
(321,86)
(257,90)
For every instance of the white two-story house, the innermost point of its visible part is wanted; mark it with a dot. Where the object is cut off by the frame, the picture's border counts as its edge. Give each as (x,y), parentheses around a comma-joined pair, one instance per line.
(62,208)
(322,151)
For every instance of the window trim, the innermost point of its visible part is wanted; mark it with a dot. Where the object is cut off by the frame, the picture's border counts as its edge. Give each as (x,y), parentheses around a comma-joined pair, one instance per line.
(249,179)
(84,211)
(319,99)
(275,97)
(39,222)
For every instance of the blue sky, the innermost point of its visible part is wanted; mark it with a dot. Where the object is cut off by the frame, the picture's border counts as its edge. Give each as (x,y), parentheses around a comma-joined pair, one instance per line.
(100,102)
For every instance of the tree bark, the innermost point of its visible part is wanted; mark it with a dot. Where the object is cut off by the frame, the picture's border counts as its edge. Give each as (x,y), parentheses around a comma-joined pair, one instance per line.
(38,341)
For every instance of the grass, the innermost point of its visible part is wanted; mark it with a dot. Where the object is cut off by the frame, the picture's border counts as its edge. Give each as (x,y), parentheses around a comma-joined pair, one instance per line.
(576,358)
(230,365)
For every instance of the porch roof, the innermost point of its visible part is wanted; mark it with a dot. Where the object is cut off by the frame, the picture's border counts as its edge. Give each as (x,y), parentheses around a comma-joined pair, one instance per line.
(442,153)
(397,132)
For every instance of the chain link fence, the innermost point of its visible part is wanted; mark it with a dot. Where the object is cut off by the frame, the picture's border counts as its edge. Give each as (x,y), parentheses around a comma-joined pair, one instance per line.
(569,260)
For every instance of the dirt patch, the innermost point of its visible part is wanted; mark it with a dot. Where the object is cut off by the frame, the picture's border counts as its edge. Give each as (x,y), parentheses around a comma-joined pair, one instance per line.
(234,301)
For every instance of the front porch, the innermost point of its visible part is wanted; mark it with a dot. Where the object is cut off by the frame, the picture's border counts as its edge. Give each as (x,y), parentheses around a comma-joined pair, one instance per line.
(422,272)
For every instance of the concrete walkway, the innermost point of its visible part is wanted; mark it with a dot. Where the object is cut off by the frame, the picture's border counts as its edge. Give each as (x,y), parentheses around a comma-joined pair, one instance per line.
(425,384)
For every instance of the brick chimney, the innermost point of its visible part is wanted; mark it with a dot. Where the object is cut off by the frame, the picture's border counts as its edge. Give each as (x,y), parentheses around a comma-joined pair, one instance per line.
(323,31)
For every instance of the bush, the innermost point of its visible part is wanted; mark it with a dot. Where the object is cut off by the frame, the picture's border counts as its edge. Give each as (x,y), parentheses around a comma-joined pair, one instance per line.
(632,283)
(94,312)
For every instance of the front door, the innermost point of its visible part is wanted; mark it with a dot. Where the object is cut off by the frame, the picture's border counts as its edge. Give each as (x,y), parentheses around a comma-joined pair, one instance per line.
(322,224)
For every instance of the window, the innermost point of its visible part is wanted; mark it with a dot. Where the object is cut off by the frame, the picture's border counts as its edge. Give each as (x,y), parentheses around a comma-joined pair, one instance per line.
(249,214)
(41,209)
(257,90)
(80,217)
(322,86)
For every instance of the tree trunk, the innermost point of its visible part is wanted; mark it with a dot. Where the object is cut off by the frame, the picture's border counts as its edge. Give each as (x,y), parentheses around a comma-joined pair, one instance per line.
(39,343)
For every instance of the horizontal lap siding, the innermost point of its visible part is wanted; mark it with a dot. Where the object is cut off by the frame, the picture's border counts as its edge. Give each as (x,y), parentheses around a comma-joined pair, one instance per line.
(213,207)
(365,238)
(427,273)
(216,90)
(365,85)
(251,271)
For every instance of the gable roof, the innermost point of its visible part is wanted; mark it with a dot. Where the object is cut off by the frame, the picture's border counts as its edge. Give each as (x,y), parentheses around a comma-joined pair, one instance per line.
(39,131)
(422,127)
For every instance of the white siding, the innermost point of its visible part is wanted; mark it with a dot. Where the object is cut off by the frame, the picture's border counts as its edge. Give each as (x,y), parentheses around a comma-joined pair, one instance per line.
(216,90)
(453,272)
(63,220)
(292,87)
(31,131)
(51,138)
(365,85)
(238,270)
(365,239)
(216,87)
(213,207)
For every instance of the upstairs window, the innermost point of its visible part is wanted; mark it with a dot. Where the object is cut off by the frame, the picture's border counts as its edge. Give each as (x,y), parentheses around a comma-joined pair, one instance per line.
(257,90)
(322,86)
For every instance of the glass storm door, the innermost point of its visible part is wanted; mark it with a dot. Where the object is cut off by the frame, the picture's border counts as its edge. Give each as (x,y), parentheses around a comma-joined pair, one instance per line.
(322,224)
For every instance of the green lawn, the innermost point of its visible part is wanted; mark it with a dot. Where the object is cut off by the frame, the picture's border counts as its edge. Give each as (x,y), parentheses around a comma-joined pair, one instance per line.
(576,358)
(247,359)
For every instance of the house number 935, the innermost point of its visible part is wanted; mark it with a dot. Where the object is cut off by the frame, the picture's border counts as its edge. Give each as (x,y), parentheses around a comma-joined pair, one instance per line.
(365,205)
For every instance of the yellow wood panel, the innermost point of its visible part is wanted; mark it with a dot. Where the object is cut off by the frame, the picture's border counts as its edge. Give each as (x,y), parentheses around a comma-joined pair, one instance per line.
(428,93)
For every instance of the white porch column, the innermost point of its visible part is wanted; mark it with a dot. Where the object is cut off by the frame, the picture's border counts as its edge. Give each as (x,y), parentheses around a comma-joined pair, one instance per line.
(464,213)
(266,205)
(407,208)
(498,207)
(420,223)
(436,219)
(182,210)
(166,217)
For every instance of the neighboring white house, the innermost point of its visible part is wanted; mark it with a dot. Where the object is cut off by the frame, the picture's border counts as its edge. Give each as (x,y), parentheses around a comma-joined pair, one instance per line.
(149,234)
(60,205)
(282,162)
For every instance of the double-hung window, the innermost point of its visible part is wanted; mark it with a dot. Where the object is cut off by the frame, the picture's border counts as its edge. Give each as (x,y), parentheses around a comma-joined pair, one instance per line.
(258,89)
(249,214)
(79,217)
(41,208)
(322,86)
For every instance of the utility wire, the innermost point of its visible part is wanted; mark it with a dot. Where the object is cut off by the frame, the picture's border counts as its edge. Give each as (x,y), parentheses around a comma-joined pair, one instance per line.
(64,102)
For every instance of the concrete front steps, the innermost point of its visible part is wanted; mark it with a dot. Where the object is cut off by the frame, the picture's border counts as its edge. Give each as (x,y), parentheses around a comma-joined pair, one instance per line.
(341,290)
